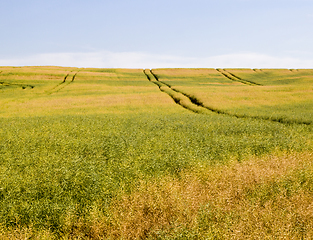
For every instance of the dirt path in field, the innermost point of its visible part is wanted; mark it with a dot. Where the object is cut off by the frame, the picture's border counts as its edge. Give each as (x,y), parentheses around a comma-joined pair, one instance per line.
(235,78)
(198,106)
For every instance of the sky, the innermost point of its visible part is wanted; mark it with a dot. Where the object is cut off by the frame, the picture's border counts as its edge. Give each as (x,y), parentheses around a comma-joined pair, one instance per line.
(157,33)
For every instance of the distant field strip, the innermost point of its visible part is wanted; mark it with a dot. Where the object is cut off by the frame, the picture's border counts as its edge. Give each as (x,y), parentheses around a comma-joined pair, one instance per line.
(9,84)
(235,78)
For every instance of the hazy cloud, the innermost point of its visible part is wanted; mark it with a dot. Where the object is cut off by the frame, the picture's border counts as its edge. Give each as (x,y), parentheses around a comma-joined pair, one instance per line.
(107,59)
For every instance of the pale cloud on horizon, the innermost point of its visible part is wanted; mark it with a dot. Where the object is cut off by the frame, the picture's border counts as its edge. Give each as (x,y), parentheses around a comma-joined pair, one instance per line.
(107,59)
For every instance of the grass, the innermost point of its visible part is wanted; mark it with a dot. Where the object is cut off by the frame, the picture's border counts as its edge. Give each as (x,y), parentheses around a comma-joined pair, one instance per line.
(111,156)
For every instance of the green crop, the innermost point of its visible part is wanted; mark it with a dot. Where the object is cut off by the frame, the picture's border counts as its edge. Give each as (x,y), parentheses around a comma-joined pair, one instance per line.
(76,149)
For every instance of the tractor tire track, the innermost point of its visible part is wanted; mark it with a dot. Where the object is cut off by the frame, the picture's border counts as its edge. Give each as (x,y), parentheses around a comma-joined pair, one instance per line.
(64,79)
(179,98)
(66,83)
(197,102)
(63,84)
(73,78)
(191,98)
(235,78)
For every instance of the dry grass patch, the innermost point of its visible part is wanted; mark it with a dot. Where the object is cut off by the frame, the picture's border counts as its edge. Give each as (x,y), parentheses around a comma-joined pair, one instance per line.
(24,234)
(233,202)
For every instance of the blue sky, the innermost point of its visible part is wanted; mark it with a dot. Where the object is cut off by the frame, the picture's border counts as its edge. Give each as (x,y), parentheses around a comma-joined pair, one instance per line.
(157,33)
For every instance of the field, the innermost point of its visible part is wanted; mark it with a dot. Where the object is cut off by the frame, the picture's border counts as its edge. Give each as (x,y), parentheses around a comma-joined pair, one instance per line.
(156,154)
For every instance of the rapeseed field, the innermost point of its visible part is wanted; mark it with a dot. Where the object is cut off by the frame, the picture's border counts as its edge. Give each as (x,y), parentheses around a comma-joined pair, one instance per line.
(91,153)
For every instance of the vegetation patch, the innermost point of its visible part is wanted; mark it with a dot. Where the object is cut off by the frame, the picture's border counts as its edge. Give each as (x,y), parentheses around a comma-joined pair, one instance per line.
(133,154)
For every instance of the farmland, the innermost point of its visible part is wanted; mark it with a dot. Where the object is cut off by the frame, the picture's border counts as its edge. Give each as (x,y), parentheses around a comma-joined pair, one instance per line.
(156,154)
